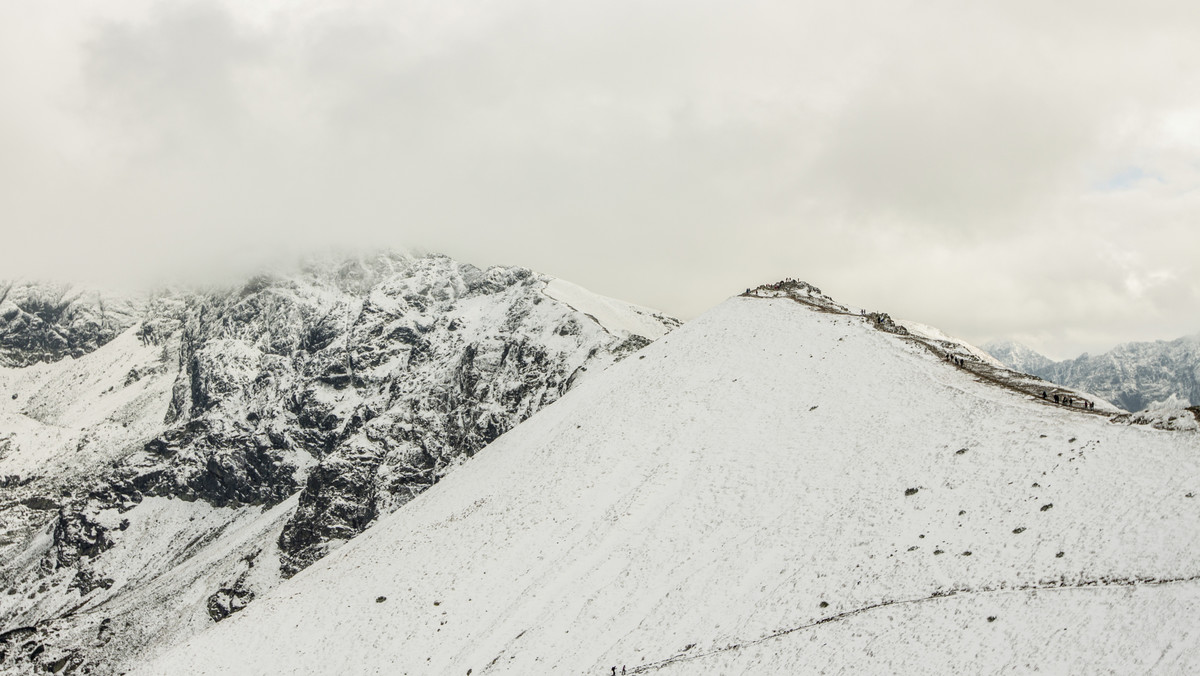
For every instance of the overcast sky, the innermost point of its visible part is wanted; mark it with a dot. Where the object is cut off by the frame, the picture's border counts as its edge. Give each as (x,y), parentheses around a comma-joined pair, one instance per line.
(1022,169)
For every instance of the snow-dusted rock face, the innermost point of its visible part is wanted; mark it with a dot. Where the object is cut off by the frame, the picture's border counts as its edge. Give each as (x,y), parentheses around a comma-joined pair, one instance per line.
(780,486)
(164,478)
(47,322)
(1131,375)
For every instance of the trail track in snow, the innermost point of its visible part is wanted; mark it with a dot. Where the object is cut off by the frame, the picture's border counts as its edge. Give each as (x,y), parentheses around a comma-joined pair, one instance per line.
(1091,584)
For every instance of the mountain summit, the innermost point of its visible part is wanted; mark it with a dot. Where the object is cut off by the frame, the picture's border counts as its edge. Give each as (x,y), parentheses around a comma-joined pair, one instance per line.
(783,485)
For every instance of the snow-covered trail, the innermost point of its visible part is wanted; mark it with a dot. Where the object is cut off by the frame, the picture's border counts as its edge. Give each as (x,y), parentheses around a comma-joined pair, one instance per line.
(763,468)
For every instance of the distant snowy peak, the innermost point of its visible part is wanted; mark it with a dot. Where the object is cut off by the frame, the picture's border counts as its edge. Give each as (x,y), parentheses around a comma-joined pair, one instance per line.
(1131,375)
(1017,356)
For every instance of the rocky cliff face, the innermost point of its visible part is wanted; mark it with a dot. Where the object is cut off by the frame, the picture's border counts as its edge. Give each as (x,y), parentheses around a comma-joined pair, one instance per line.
(1131,375)
(47,322)
(276,421)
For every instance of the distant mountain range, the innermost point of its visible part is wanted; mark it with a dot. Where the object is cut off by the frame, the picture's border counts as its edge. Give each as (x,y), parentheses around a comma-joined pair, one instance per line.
(1131,375)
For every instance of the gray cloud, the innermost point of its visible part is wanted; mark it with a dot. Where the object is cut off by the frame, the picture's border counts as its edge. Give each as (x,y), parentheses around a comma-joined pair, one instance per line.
(1004,169)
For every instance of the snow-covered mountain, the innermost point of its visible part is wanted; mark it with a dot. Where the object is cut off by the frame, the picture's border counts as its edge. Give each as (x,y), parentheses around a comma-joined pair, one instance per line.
(1018,357)
(1131,375)
(165,460)
(784,485)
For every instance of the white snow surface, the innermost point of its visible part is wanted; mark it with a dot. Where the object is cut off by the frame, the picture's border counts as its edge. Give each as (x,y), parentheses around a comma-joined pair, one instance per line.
(768,489)
(617,317)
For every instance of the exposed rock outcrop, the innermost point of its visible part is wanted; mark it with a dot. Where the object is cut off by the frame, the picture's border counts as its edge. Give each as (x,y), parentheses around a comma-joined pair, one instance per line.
(48,322)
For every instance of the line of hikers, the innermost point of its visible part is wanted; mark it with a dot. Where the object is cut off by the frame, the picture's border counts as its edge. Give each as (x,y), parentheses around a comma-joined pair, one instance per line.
(1064,400)
(1061,399)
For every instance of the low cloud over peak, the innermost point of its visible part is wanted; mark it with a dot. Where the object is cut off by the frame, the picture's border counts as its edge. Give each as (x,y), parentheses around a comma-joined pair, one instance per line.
(974,167)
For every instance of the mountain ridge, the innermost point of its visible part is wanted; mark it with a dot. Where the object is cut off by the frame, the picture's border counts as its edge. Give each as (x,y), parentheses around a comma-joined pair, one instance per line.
(754,489)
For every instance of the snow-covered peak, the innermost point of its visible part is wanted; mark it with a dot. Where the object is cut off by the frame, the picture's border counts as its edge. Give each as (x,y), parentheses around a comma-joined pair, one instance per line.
(774,485)
(1017,356)
(1131,375)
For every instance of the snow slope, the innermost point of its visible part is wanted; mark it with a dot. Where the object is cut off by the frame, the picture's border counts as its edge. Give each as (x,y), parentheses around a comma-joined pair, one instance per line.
(617,317)
(772,488)
(94,406)
(936,334)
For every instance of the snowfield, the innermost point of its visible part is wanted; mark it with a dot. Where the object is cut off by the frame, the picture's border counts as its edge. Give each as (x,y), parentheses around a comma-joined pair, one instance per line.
(95,406)
(768,489)
(616,317)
